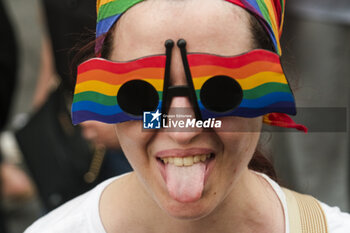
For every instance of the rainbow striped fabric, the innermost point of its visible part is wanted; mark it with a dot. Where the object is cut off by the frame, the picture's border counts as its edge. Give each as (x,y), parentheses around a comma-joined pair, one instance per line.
(99,80)
(269,12)
(259,73)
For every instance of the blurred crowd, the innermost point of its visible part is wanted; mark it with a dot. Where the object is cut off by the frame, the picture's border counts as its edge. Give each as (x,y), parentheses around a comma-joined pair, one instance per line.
(46,161)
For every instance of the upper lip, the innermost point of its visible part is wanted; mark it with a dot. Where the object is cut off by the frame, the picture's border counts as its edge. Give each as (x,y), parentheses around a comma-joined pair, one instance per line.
(183,152)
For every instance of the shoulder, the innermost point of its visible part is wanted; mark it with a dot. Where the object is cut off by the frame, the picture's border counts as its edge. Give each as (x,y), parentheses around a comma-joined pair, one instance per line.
(65,218)
(337,221)
(73,216)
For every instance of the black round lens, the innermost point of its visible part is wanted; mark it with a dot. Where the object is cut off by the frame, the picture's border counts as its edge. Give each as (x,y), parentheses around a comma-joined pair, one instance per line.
(137,96)
(221,94)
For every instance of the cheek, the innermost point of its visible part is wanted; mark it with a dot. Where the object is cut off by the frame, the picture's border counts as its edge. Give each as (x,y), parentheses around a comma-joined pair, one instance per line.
(239,149)
(240,137)
(134,141)
(241,125)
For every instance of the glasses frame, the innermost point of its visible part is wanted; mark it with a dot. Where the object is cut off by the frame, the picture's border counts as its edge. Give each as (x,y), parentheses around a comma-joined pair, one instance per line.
(170,92)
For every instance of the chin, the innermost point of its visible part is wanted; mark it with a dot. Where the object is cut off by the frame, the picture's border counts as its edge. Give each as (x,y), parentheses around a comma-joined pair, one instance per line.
(189,210)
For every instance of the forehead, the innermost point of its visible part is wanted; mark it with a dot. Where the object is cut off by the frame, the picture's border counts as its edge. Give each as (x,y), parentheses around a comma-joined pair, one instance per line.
(211,26)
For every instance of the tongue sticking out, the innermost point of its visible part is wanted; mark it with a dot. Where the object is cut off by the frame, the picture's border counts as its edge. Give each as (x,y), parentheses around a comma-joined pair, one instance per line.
(185,184)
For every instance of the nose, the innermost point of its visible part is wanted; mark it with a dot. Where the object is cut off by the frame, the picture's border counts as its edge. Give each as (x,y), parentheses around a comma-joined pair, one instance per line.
(180,113)
(180,121)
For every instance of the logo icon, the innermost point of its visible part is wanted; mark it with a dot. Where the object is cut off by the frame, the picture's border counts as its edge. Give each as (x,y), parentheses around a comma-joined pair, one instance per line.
(151,120)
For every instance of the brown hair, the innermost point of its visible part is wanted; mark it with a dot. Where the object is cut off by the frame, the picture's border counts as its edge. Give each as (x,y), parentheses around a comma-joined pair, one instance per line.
(261,40)
(85,50)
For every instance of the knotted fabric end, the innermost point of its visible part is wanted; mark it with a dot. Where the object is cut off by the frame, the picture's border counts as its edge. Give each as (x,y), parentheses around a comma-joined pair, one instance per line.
(283,120)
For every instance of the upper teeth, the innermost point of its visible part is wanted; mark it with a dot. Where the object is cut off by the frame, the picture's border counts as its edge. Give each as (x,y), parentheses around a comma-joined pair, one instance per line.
(186,161)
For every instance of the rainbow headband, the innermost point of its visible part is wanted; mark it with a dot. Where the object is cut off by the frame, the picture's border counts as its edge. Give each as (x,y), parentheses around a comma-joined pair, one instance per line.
(269,12)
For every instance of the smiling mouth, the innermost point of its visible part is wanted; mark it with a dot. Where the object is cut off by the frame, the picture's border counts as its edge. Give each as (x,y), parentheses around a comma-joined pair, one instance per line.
(188,160)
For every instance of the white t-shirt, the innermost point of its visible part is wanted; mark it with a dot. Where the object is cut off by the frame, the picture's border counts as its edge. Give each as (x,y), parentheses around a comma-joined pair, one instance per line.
(81,215)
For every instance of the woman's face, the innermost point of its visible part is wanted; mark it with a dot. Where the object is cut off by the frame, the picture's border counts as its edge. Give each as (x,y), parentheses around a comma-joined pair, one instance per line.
(208,27)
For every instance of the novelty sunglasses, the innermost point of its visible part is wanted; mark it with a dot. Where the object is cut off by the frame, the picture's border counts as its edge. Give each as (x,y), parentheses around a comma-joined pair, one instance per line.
(248,85)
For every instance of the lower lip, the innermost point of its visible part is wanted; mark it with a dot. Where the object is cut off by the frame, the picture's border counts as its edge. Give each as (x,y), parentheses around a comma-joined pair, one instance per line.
(210,163)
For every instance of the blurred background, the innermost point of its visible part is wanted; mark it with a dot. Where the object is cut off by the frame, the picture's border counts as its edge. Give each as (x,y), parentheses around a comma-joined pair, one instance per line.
(316,45)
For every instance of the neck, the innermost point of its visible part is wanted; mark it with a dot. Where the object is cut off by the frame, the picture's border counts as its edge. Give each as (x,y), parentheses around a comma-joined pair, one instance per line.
(247,208)
(251,206)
